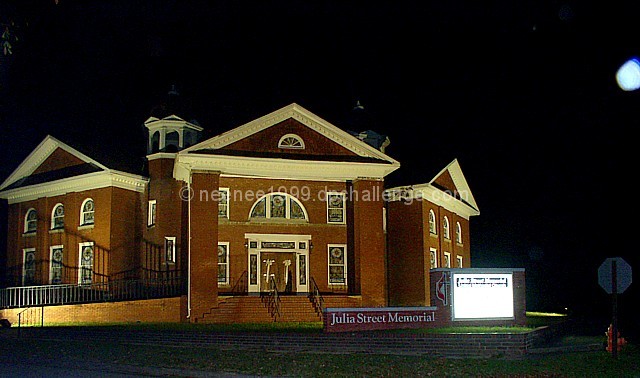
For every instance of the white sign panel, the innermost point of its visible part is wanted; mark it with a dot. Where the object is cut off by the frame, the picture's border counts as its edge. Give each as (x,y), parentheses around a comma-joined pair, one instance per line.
(482,296)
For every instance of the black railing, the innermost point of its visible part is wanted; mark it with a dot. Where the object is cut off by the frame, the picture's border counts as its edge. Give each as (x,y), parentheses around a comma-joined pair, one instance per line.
(271,300)
(115,290)
(316,298)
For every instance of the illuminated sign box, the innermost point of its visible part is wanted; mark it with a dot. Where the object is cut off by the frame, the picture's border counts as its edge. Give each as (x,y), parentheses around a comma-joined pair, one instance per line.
(482,296)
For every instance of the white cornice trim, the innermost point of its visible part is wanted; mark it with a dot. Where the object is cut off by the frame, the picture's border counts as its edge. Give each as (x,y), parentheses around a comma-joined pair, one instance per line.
(458,180)
(40,154)
(96,180)
(170,122)
(302,115)
(280,168)
(162,155)
(427,192)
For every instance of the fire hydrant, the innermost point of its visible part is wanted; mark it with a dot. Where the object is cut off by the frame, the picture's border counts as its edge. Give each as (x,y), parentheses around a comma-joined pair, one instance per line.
(621,341)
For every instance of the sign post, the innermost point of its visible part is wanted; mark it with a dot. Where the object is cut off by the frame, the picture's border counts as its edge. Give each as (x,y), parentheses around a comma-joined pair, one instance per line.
(614,276)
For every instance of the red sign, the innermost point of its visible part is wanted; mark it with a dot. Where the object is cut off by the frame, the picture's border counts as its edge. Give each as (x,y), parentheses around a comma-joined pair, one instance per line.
(369,319)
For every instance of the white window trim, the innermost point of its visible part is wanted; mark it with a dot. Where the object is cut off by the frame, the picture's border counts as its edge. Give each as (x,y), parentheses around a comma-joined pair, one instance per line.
(26,221)
(81,246)
(227,213)
(459,261)
(458,233)
(24,262)
(226,281)
(329,246)
(435,255)
(433,226)
(152,213)
(173,249)
(344,207)
(288,198)
(445,226)
(53,216)
(82,213)
(447,258)
(297,137)
(51,249)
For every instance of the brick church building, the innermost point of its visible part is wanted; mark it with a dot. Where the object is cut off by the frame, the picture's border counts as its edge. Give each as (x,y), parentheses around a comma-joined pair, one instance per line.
(273,220)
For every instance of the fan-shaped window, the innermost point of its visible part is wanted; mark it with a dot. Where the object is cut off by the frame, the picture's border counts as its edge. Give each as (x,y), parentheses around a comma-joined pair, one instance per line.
(278,206)
(57,217)
(86,212)
(31,221)
(432,222)
(291,141)
(445,227)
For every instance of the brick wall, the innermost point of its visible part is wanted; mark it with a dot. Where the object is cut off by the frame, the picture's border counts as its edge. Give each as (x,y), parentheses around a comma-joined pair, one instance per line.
(148,311)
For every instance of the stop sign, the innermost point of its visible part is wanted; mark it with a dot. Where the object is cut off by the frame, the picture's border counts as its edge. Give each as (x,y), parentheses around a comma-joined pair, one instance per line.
(623,275)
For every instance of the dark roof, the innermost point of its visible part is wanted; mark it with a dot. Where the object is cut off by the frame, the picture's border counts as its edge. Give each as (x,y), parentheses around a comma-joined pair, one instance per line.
(58,174)
(279,155)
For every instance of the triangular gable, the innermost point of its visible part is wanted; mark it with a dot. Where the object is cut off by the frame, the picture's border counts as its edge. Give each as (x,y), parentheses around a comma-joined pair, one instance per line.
(451,180)
(291,116)
(51,154)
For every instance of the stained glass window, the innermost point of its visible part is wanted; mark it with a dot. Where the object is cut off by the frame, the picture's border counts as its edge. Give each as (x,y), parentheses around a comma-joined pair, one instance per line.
(31,221)
(302,267)
(86,263)
(445,227)
(86,215)
(337,265)
(335,208)
(57,217)
(223,203)
(280,206)
(253,269)
(432,222)
(55,272)
(223,263)
(170,249)
(29,267)
(433,258)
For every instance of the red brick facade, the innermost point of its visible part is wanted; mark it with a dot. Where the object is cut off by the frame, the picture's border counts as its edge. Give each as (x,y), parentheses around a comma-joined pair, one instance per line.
(243,211)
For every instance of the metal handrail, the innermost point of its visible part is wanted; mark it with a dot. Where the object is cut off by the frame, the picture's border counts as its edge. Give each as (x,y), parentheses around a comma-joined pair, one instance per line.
(316,298)
(272,301)
(115,290)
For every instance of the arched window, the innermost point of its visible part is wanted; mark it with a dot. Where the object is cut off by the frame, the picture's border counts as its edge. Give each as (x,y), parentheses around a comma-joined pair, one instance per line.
(291,141)
(458,233)
(172,139)
(432,222)
(57,217)
(445,227)
(31,221)
(155,142)
(278,206)
(86,212)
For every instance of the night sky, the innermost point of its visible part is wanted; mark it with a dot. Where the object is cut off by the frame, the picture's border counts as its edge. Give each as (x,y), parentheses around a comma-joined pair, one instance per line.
(522,93)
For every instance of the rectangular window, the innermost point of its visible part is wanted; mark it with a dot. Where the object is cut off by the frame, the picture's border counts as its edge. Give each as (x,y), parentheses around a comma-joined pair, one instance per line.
(29,267)
(336,208)
(151,213)
(459,261)
(433,258)
(447,260)
(55,269)
(223,203)
(223,263)
(85,276)
(170,249)
(337,264)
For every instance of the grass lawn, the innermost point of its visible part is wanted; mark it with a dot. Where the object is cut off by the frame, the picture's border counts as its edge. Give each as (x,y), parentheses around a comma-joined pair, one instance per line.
(579,364)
